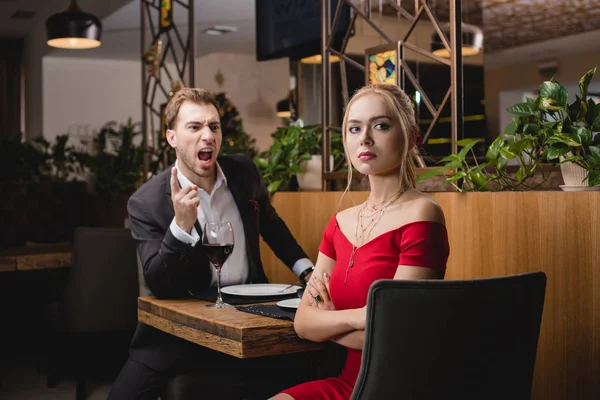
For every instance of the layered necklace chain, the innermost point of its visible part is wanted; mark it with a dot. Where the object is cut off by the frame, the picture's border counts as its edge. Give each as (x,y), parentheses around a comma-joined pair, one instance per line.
(363,230)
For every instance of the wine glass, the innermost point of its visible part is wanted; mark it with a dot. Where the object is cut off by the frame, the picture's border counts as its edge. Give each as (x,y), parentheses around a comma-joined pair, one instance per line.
(217,240)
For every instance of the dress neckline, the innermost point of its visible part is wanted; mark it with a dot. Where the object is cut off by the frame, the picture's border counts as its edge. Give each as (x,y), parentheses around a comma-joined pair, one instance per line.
(386,232)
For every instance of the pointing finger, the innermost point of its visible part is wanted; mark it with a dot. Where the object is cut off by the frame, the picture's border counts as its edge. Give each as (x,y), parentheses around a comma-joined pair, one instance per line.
(174,184)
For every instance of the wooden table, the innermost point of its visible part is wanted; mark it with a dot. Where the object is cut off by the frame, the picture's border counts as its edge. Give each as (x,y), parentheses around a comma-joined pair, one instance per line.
(35,258)
(229,331)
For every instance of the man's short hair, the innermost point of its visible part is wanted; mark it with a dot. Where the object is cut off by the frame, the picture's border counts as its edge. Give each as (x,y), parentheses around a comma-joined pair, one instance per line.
(196,95)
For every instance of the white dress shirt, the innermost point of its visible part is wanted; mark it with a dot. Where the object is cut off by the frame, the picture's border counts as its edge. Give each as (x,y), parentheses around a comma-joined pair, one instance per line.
(219,206)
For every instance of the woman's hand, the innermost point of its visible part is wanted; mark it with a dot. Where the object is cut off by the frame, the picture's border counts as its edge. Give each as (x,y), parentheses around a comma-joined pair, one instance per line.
(318,292)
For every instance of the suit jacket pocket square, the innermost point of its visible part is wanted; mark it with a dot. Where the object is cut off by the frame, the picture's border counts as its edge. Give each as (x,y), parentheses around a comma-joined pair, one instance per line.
(254,204)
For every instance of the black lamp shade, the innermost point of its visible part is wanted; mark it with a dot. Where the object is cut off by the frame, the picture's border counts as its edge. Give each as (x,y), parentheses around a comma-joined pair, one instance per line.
(73,29)
(283,108)
(472,41)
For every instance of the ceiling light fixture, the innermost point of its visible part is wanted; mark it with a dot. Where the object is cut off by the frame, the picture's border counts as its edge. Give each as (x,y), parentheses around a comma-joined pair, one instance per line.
(219,30)
(73,29)
(283,108)
(318,59)
(472,41)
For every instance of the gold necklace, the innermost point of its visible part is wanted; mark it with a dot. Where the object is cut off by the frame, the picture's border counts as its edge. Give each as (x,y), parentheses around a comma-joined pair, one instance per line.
(375,218)
(376,207)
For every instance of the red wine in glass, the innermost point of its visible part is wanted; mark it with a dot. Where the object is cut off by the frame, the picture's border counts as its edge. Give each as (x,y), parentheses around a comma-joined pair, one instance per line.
(218,253)
(218,241)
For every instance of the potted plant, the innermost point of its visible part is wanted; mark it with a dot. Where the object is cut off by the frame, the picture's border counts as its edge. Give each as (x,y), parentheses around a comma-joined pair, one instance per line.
(282,161)
(310,143)
(58,198)
(295,157)
(116,165)
(543,130)
(575,141)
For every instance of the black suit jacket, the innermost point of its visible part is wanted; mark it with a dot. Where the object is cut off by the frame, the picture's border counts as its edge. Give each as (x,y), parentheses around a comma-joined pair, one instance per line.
(171,267)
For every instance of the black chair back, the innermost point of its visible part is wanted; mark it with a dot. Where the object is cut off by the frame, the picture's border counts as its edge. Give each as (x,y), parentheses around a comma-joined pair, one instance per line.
(469,339)
(102,290)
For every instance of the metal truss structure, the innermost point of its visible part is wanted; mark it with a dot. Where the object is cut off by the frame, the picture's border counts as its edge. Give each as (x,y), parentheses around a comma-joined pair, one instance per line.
(168,56)
(362,9)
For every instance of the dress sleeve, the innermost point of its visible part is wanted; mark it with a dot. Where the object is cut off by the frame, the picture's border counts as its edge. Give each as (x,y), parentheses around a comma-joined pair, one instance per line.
(424,244)
(327,247)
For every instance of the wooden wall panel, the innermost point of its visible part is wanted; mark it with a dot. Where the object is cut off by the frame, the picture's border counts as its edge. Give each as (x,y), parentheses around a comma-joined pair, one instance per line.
(494,234)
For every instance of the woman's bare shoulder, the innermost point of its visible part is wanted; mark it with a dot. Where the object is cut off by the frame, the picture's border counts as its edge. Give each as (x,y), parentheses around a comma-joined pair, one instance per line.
(347,218)
(423,208)
(348,213)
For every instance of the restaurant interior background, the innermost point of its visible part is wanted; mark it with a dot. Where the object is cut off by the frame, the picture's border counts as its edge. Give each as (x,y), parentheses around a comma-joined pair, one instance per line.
(77,92)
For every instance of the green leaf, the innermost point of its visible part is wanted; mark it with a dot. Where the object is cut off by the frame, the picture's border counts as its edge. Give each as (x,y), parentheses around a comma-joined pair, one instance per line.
(594,155)
(555,92)
(494,149)
(550,105)
(532,129)
(467,145)
(455,177)
(522,109)
(584,83)
(536,104)
(451,157)
(467,142)
(595,125)
(499,163)
(274,186)
(478,179)
(261,162)
(575,109)
(521,145)
(562,138)
(521,173)
(594,178)
(571,159)
(513,125)
(554,152)
(506,153)
(581,135)
(429,174)
(438,171)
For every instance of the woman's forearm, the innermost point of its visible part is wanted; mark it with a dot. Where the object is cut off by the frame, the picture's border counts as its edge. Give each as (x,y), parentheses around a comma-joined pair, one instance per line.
(353,340)
(321,325)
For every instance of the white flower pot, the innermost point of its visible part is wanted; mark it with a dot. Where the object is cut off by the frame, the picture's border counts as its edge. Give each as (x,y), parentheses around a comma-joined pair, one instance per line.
(573,174)
(312,176)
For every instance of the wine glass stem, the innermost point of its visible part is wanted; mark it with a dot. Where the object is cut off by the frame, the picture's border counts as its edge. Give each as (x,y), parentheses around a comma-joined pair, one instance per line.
(219,298)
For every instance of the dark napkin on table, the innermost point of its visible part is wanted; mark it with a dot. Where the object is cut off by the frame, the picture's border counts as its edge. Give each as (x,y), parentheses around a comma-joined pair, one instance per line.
(269,310)
(210,294)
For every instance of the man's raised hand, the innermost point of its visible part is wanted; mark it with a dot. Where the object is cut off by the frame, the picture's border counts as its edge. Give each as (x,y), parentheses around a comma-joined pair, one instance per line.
(185,203)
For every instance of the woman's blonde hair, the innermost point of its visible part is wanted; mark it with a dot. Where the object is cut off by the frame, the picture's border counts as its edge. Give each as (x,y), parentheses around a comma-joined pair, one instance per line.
(400,106)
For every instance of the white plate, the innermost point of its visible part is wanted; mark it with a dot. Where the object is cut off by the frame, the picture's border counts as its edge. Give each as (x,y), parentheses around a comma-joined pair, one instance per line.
(579,188)
(260,290)
(289,303)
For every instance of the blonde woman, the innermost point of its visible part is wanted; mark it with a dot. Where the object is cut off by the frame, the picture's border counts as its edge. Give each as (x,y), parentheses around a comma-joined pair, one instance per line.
(397,233)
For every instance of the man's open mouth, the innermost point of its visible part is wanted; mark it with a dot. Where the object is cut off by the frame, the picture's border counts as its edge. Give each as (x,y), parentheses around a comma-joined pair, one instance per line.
(205,155)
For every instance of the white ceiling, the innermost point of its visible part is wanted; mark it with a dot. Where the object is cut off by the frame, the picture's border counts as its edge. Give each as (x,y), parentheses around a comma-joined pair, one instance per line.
(121,30)
(43,9)
(121,24)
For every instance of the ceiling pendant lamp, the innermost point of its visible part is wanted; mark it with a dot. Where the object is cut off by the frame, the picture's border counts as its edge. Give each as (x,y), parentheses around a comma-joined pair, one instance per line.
(73,29)
(283,108)
(472,41)
(318,59)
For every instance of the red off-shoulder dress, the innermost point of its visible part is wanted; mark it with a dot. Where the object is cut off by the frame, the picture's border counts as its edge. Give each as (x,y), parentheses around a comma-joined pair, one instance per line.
(421,243)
